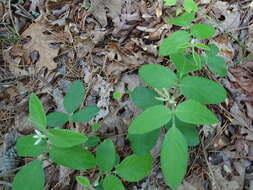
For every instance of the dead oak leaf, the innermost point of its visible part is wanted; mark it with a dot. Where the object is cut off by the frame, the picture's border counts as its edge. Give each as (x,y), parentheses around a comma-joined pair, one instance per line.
(40,42)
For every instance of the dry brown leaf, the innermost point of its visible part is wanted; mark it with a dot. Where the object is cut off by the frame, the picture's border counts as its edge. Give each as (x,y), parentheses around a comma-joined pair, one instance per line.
(98,9)
(41,42)
(228,14)
(249,42)
(244,79)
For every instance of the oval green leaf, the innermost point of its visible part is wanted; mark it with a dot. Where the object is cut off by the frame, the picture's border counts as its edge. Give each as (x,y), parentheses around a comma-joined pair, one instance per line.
(217,65)
(183,64)
(141,144)
(26,147)
(144,98)
(92,141)
(157,76)
(84,181)
(74,96)
(202,46)
(112,183)
(74,158)
(36,112)
(183,20)
(213,50)
(31,176)
(57,119)
(172,43)
(202,90)
(149,120)
(190,6)
(85,114)
(134,168)
(189,131)
(174,157)
(191,111)
(202,31)
(105,155)
(65,138)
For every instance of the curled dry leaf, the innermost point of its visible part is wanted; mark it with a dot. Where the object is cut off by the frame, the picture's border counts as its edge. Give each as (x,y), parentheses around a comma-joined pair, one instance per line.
(40,42)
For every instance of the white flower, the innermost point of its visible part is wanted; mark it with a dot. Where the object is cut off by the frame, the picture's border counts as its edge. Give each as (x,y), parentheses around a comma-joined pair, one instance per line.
(39,137)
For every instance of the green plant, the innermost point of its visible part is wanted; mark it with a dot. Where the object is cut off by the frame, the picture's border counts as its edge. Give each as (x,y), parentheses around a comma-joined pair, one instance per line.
(69,148)
(177,100)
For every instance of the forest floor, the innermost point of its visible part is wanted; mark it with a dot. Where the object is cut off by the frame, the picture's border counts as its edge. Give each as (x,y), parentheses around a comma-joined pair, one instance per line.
(47,44)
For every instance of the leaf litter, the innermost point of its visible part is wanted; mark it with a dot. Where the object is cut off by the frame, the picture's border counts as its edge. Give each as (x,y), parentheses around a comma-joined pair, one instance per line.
(104,45)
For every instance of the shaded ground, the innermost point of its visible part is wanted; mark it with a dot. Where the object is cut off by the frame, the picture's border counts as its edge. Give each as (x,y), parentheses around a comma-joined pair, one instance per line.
(47,44)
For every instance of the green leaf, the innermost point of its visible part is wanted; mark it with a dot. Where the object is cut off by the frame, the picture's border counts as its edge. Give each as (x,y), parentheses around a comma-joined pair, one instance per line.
(84,181)
(196,59)
(190,5)
(157,76)
(134,168)
(189,131)
(85,114)
(178,11)
(170,2)
(144,98)
(213,50)
(117,159)
(57,119)
(65,138)
(36,112)
(202,46)
(75,157)
(172,43)
(25,146)
(217,65)
(100,185)
(117,95)
(200,59)
(74,96)
(95,127)
(183,20)
(193,112)
(202,31)
(31,176)
(174,157)
(202,90)
(112,183)
(143,143)
(183,64)
(105,155)
(149,120)
(184,45)
(92,141)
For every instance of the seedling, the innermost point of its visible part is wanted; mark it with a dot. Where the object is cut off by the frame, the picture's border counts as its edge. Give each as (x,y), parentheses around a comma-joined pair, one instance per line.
(177,100)
(69,148)
(62,145)
(173,100)
(161,109)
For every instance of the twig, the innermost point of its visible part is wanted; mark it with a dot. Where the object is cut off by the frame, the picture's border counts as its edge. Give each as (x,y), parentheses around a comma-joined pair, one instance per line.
(213,181)
(11,17)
